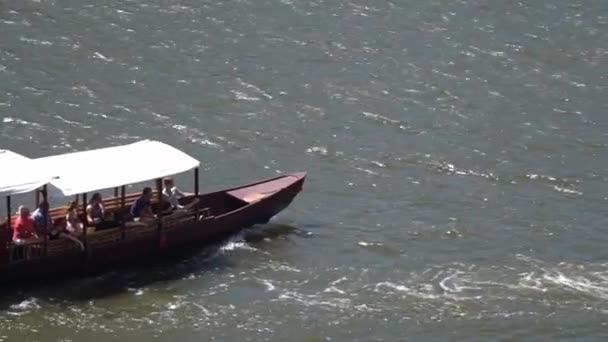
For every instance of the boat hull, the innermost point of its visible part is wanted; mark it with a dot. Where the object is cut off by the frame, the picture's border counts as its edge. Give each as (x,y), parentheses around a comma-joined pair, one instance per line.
(256,203)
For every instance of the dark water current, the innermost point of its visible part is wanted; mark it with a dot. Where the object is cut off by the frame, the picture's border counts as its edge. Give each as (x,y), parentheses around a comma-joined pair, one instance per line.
(457,155)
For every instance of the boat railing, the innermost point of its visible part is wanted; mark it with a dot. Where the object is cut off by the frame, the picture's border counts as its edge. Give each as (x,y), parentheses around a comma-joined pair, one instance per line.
(138,230)
(26,251)
(61,246)
(180,218)
(37,249)
(127,231)
(110,204)
(105,237)
(116,202)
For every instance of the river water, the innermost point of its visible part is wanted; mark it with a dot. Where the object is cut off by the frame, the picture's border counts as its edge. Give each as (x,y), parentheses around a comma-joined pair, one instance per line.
(457,154)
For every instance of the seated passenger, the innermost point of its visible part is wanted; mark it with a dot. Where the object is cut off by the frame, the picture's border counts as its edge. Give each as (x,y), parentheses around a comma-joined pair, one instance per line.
(95,210)
(142,207)
(171,195)
(24,227)
(43,223)
(72,223)
(96,214)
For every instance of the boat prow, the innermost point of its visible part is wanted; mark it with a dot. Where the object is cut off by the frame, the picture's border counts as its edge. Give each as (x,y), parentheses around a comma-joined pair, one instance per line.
(264,189)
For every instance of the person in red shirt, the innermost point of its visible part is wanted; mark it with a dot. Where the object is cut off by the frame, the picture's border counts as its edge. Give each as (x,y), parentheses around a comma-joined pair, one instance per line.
(24,226)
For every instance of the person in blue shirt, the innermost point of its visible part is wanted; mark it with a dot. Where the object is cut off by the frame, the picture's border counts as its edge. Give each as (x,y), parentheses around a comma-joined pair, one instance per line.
(42,219)
(142,208)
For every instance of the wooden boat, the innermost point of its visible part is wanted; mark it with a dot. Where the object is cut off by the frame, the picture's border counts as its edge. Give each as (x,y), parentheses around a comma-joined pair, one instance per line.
(216,215)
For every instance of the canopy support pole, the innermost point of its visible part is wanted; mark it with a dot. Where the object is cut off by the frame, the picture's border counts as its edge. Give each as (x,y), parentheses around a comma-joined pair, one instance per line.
(196,184)
(8,212)
(8,224)
(122,217)
(122,197)
(116,192)
(196,191)
(161,234)
(85,221)
(45,199)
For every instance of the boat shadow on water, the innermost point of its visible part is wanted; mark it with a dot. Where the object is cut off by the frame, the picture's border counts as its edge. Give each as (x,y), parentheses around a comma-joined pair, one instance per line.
(210,259)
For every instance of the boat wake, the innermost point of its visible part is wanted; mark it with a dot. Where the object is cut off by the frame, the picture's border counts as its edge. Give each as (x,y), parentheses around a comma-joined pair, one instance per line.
(532,285)
(526,287)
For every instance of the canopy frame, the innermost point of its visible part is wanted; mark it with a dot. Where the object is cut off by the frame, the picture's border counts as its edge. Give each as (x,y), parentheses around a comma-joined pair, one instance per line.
(21,174)
(116,166)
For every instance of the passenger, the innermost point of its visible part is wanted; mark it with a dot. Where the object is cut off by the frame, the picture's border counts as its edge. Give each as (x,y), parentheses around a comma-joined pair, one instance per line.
(43,223)
(142,207)
(72,223)
(96,212)
(23,232)
(24,227)
(41,227)
(172,195)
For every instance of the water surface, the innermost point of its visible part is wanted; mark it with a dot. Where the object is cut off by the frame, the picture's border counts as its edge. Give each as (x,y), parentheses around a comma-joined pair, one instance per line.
(456,150)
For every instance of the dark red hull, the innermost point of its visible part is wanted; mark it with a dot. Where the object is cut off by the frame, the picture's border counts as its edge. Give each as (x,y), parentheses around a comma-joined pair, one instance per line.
(230,211)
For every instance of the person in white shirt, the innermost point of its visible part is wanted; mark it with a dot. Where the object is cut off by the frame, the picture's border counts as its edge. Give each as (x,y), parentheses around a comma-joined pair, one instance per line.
(172,195)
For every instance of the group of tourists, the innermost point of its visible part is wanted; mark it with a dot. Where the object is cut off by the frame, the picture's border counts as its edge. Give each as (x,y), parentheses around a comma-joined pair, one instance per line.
(32,228)
(28,228)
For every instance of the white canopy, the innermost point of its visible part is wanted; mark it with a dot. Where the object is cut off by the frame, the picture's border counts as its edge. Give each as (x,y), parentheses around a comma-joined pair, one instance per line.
(19,174)
(105,168)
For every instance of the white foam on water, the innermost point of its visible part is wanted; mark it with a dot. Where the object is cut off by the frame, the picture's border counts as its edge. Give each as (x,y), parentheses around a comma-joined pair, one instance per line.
(367,171)
(255,88)
(334,290)
(244,97)
(579,284)
(315,300)
(380,118)
(30,303)
(235,245)
(379,164)
(21,122)
(268,284)
(338,281)
(121,107)
(449,168)
(204,310)
(86,90)
(366,308)
(205,142)
(24,307)
(393,286)
(36,41)
(322,150)
(529,280)
(98,55)
(174,305)
(69,122)
(368,244)
(285,268)
(453,284)
(567,191)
